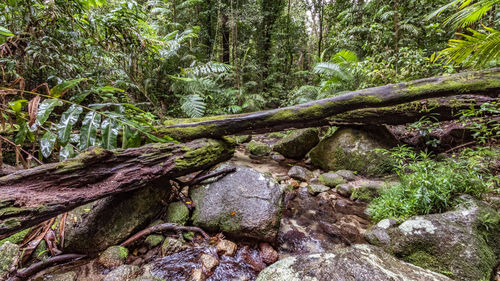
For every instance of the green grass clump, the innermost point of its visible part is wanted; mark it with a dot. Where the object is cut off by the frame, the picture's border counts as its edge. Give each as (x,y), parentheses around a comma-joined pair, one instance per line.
(429,186)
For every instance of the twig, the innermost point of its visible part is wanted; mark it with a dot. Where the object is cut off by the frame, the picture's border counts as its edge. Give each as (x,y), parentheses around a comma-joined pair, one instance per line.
(39,266)
(197,179)
(164,227)
(10,142)
(460,146)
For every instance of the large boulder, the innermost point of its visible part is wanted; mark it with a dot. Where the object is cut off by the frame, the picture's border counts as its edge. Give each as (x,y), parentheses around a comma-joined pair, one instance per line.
(463,243)
(245,203)
(96,226)
(357,263)
(297,144)
(354,149)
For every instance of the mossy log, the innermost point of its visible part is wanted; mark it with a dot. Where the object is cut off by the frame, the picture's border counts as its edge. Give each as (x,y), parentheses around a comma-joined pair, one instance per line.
(31,196)
(483,83)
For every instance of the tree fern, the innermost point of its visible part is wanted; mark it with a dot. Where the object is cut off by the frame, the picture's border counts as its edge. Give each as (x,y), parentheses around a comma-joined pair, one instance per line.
(193,106)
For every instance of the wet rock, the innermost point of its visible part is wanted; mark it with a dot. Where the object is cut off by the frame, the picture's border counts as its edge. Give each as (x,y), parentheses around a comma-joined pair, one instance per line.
(331,179)
(297,144)
(171,246)
(113,256)
(8,253)
(226,248)
(153,240)
(356,263)
(353,149)
(367,191)
(123,273)
(177,212)
(346,174)
(278,157)
(300,173)
(208,262)
(463,243)
(267,253)
(314,189)
(66,276)
(245,203)
(258,148)
(344,189)
(96,226)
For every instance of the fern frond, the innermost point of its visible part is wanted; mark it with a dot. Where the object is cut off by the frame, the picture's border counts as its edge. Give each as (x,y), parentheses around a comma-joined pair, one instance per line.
(194,106)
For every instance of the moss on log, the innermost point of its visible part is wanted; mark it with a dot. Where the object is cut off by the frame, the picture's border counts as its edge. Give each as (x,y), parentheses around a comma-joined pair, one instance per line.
(484,83)
(31,196)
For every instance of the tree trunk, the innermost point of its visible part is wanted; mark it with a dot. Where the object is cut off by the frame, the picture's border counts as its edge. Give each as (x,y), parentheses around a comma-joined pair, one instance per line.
(31,196)
(485,83)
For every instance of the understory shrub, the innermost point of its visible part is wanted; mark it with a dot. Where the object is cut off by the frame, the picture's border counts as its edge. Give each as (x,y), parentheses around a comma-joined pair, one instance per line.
(430,186)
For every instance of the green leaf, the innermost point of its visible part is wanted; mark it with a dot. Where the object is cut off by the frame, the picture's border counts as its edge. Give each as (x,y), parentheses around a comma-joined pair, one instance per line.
(5,32)
(68,120)
(44,110)
(60,89)
(110,128)
(17,105)
(47,143)
(88,134)
(111,89)
(22,133)
(66,152)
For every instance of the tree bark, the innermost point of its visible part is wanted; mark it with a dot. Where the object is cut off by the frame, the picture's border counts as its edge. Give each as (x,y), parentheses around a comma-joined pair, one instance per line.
(31,196)
(483,83)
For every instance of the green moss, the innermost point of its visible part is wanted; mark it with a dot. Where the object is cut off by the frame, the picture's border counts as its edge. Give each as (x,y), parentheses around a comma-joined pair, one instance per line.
(122,252)
(427,261)
(283,114)
(189,236)
(316,110)
(10,211)
(177,212)
(365,193)
(209,153)
(258,148)
(11,223)
(276,135)
(188,133)
(16,238)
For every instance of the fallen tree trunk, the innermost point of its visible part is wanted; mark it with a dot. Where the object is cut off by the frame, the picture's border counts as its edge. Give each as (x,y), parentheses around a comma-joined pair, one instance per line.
(31,196)
(484,83)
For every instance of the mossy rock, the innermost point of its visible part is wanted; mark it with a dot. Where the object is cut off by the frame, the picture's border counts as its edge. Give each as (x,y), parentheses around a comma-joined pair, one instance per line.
(367,191)
(297,144)
(331,179)
(15,238)
(354,149)
(153,240)
(113,256)
(242,139)
(177,212)
(8,253)
(463,244)
(258,148)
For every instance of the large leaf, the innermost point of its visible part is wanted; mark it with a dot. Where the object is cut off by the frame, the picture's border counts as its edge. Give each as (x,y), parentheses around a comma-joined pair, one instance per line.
(66,152)
(5,32)
(62,88)
(21,134)
(47,143)
(44,110)
(68,120)
(110,128)
(88,134)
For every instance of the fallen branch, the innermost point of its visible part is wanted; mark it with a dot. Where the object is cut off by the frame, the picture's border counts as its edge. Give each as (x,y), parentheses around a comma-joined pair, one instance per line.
(39,266)
(164,227)
(316,113)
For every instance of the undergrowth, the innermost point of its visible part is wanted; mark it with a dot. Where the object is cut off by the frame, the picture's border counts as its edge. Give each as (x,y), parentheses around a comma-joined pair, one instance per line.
(429,186)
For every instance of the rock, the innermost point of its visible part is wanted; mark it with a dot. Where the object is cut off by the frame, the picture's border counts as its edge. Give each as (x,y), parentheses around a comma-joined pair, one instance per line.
(314,189)
(41,252)
(123,273)
(197,275)
(171,246)
(300,173)
(15,238)
(113,256)
(344,189)
(208,262)
(367,191)
(243,139)
(463,243)
(8,253)
(267,253)
(331,179)
(153,240)
(177,212)
(96,226)
(357,263)
(297,144)
(278,157)
(353,149)
(258,148)
(346,174)
(66,276)
(226,248)
(244,204)
(276,135)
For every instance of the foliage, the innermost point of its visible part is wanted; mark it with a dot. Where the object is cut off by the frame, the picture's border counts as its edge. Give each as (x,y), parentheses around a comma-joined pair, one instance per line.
(485,130)
(429,186)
